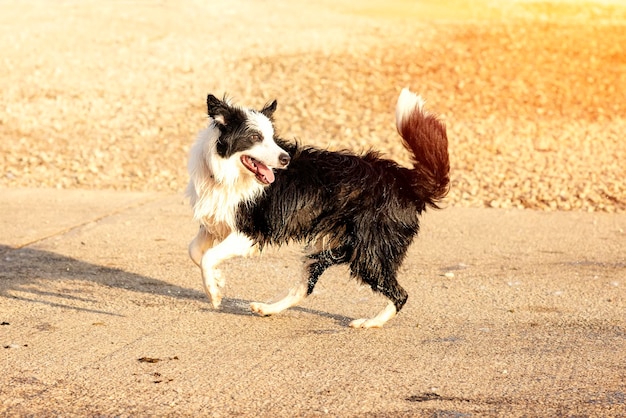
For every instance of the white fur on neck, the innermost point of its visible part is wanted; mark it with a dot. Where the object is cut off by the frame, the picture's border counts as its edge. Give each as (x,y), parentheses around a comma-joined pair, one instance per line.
(216,185)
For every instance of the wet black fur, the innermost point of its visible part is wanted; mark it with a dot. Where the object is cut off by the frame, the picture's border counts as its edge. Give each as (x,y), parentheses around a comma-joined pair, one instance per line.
(368,207)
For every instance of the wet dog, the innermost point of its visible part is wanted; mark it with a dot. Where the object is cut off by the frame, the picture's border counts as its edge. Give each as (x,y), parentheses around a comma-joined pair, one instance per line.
(249,189)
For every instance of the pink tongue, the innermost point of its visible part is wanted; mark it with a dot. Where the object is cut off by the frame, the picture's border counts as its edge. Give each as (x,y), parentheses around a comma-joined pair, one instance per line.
(263,171)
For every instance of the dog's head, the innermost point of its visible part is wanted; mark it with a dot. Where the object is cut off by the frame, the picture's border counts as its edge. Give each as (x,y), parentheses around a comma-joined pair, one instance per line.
(246,136)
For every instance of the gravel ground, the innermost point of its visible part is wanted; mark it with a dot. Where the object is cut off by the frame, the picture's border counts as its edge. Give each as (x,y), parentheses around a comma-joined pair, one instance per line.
(110,96)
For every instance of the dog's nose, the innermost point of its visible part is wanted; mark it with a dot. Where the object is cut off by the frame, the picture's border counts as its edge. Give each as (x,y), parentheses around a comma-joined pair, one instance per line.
(284,159)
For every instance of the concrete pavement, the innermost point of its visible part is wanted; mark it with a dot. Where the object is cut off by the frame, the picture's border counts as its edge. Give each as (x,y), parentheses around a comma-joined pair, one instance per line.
(510,313)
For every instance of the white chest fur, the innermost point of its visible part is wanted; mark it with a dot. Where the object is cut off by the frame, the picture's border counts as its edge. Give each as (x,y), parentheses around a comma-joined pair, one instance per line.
(216,206)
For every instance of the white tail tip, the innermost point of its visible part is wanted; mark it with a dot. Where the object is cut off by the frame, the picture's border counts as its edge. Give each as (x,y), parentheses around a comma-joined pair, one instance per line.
(408,102)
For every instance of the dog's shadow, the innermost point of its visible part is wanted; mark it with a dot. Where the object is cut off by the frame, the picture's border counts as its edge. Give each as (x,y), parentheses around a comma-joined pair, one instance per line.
(234,306)
(24,272)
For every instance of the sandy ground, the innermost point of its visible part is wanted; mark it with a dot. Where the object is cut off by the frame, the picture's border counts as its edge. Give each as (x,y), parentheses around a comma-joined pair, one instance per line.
(110,95)
(102,314)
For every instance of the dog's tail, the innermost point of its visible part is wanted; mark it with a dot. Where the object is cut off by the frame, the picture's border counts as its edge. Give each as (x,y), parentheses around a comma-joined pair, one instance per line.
(425,137)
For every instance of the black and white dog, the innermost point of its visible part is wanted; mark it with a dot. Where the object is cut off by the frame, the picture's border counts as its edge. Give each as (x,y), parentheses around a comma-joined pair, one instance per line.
(349,209)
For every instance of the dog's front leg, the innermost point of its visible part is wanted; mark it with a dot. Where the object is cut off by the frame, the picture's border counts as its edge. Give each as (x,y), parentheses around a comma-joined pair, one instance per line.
(233,245)
(202,242)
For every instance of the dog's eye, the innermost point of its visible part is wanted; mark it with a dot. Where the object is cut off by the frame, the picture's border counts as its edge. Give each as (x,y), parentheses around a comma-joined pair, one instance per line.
(255,138)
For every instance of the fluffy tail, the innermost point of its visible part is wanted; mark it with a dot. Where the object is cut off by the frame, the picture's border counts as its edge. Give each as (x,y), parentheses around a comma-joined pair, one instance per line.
(425,137)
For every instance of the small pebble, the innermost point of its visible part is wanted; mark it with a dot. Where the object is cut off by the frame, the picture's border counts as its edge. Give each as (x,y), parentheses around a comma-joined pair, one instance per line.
(13,346)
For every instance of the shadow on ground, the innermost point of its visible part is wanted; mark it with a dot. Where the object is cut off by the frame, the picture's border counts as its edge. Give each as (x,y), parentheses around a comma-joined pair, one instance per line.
(40,277)
(25,269)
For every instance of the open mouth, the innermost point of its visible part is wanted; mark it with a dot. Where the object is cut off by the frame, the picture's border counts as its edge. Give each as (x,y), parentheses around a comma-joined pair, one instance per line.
(263,173)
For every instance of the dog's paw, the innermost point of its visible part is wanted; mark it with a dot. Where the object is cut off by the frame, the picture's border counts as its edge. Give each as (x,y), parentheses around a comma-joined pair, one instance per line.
(214,295)
(216,299)
(367,323)
(213,282)
(260,308)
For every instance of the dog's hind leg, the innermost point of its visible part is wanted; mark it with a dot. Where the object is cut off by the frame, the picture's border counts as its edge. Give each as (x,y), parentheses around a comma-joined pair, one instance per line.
(298,292)
(233,245)
(393,307)
(314,265)
(295,295)
(379,320)
(392,290)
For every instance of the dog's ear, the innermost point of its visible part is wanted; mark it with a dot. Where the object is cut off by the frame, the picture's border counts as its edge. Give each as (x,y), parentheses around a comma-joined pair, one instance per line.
(269,109)
(217,109)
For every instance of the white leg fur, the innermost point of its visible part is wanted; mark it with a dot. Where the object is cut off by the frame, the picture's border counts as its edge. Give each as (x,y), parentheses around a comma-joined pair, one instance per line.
(295,295)
(202,242)
(378,321)
(233,245)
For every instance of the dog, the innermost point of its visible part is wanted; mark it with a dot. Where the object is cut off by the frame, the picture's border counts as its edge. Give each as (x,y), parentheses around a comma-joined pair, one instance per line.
(249,188)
